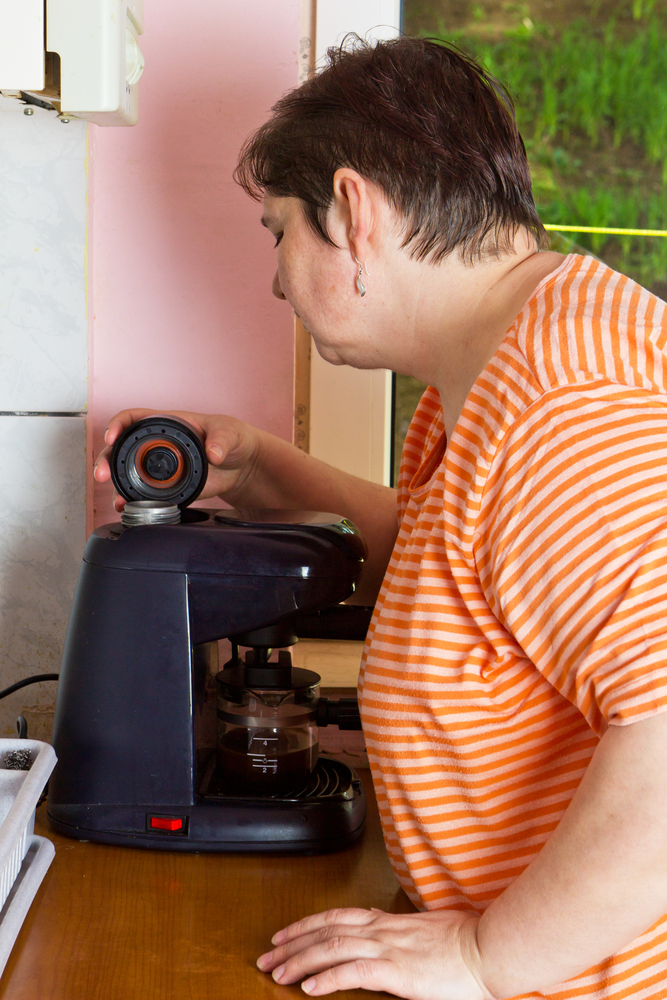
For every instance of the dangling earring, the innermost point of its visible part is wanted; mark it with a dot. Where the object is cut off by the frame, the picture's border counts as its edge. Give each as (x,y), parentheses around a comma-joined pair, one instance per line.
(360,286)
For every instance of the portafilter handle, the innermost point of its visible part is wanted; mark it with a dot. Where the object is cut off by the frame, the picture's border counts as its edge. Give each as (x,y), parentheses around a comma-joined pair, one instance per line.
(341,712)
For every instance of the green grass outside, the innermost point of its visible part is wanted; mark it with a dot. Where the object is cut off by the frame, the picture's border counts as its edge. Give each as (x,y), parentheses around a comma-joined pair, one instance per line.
(591,105)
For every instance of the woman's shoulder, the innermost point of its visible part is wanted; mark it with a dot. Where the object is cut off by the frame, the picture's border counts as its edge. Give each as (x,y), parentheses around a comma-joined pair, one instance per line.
(587,322)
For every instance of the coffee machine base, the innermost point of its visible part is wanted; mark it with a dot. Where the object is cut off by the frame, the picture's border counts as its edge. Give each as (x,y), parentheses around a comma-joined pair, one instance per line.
(330,816)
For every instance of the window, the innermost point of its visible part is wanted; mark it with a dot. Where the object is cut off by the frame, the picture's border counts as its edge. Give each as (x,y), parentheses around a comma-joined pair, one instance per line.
(590,86)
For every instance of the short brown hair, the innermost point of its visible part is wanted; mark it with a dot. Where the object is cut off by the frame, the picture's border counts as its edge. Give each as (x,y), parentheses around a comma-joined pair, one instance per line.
(421,120)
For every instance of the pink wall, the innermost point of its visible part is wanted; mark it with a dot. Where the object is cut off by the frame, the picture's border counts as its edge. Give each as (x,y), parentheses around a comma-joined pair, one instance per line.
(180,306)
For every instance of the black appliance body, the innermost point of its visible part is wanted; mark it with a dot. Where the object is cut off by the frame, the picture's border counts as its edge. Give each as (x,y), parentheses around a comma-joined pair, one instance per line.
(135,723)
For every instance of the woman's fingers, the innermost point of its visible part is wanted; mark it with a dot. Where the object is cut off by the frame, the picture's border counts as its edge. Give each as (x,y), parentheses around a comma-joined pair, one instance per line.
(317,952)
(102,472)
(118,423)
(328,939)
(374,974)
(419,956)
(352,915)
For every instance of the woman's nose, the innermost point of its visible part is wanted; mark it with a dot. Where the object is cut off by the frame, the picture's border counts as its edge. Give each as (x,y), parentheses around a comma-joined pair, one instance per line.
(275,287)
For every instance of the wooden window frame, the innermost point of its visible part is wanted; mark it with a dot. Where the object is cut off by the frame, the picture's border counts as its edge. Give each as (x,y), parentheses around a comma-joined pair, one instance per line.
(342,415)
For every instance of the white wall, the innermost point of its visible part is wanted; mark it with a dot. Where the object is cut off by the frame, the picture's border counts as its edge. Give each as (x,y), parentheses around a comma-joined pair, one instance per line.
(43,393)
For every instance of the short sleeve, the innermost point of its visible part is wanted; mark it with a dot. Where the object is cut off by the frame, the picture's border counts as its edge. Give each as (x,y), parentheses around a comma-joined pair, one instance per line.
(571,546)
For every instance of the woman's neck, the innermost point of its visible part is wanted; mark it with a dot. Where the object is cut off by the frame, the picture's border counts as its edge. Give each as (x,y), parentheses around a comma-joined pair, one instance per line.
(475,307)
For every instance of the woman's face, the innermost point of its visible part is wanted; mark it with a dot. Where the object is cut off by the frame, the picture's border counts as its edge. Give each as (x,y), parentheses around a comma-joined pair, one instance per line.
(318,281)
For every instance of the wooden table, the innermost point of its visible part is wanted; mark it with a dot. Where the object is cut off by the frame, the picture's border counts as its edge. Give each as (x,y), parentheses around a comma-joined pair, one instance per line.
(117,923)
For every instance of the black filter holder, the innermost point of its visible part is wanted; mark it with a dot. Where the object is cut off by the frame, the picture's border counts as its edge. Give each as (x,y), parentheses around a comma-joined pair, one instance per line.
(159,458)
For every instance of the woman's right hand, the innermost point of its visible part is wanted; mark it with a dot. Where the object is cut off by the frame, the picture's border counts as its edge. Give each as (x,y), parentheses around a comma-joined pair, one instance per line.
(232,449)
(249,467)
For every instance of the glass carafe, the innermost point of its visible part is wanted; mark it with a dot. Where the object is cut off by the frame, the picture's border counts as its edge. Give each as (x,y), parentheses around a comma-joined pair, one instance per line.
(267,737)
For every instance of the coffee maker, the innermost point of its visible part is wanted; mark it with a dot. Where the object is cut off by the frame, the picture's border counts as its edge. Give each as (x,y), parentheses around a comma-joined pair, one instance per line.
(156,747)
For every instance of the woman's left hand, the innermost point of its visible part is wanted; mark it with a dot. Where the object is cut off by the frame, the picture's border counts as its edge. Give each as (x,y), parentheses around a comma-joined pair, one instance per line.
(419,956)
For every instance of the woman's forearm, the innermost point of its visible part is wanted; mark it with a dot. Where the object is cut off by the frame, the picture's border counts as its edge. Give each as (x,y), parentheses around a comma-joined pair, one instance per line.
(601,879)
(283,476)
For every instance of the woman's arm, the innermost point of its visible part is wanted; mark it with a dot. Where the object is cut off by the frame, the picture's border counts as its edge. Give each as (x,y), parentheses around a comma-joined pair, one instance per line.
(600,880)
(249,467)
(598,883)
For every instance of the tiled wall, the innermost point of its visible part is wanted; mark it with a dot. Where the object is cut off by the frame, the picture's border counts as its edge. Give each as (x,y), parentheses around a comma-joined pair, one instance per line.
(181,313)
(43,395)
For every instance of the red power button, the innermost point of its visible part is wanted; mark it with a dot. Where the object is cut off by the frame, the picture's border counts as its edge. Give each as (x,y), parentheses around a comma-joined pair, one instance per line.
(172,824)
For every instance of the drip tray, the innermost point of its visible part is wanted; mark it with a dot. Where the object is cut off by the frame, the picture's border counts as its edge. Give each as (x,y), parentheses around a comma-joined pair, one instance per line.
(330,779)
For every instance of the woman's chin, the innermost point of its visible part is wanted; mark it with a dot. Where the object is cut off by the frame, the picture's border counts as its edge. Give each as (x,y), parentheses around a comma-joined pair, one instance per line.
(329,354)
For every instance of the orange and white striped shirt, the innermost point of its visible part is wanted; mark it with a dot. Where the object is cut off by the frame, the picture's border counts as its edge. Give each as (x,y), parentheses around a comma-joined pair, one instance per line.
(525,605)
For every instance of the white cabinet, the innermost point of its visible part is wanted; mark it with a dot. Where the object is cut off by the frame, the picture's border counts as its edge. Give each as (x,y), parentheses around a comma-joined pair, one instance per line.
(85,62)
(21,45)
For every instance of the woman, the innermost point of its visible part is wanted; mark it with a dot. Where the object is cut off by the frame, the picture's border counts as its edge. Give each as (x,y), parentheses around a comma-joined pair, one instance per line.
(521,620)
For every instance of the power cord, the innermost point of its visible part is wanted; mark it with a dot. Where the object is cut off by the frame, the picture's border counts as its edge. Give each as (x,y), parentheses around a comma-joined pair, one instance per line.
(35,679)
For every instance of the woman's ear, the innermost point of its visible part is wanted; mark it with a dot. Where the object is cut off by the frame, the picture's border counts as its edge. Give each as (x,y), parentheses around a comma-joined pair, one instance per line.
(353,211)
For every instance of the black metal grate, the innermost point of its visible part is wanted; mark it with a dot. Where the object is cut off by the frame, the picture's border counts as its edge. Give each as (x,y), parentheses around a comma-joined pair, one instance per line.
(329,778)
